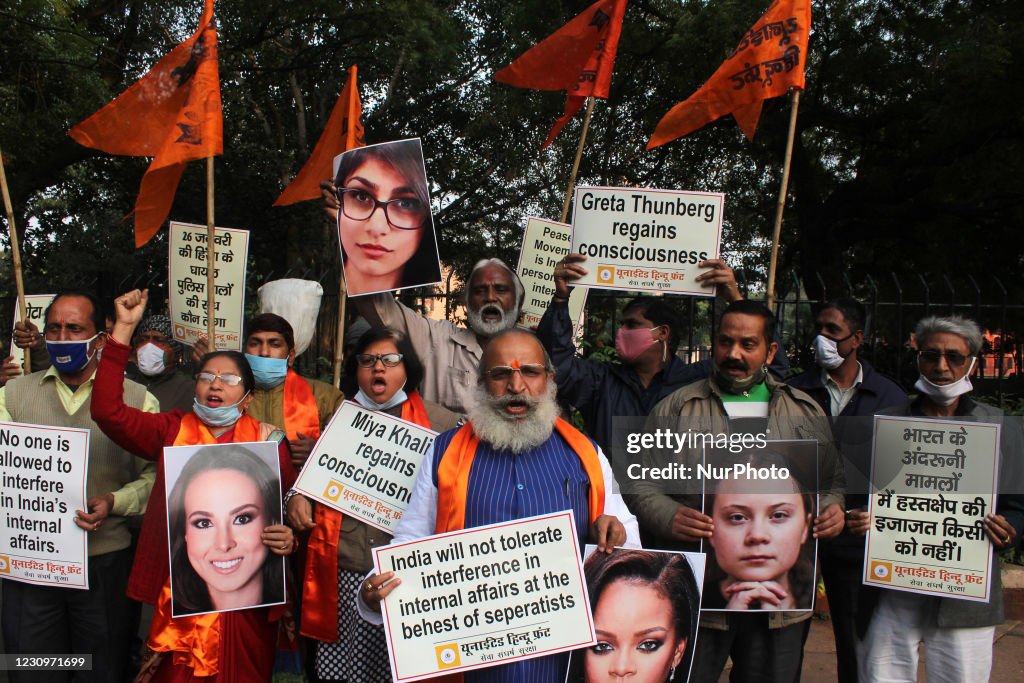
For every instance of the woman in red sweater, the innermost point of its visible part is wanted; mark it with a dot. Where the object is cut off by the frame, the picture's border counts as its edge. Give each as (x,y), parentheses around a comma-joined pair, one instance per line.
(226,646)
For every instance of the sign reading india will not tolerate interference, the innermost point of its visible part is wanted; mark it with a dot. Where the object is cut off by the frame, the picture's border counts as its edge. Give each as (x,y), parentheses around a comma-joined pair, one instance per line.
(485,596)
(364,465)
(544,244)
(35,308)
(42,482)
(646,240)
(186,273)
(933,481)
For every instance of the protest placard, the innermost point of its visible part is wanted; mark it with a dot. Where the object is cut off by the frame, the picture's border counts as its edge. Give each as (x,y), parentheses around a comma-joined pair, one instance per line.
(544,244)
(646,240)
(485,596)
(933,482)
(187,275)
(385,226)
(35,307)
(220,498)
(43,472)
(762,502)
(364,464)
(629,590)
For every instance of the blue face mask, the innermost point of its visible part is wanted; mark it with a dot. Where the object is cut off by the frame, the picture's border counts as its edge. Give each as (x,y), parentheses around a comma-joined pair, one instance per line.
(220,416)
(269,372)
(70,356)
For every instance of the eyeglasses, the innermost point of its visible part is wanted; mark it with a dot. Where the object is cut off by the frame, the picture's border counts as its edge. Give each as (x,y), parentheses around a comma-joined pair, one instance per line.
(503,373)
(403,213)
(229,379)
(955,359)
(369,360)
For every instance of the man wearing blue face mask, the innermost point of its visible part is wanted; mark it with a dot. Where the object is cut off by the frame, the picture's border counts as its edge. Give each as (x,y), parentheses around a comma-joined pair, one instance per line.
(41,619)
(850,392)
(302,407)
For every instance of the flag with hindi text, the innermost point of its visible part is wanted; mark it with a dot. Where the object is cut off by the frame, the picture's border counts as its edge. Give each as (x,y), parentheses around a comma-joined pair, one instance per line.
(768,61)
(173,114)
(578,58)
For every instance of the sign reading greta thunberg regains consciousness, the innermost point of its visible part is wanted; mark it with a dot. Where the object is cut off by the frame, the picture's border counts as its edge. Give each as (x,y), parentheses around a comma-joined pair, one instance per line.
(647,240)
(186,274)
(364,464)
(544,244)
(485,596)
(42,482)
(933,481)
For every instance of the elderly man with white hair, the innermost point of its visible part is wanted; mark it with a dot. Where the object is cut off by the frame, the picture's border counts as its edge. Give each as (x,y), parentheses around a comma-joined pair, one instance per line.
(957,634)
(522,460)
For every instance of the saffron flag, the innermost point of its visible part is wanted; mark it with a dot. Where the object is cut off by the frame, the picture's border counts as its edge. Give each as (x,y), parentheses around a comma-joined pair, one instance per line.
(344,131)
(172,114)
(769,60)
(577,58)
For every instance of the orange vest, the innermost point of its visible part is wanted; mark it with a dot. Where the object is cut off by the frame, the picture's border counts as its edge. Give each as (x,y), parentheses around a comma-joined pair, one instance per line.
(195,641)
(300,411)
(453,483)
(319,587)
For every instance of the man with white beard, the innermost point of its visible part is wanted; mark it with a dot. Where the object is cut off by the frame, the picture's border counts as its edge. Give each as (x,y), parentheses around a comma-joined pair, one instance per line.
(450,353)
(522,460)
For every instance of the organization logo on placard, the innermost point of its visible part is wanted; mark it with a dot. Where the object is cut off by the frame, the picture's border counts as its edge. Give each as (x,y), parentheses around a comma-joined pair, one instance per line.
(447,655)
(606,274)
(333,491)
(882,571)
(5,565)
(179,331)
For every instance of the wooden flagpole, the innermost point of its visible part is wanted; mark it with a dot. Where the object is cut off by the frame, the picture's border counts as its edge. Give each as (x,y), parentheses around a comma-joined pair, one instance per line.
(579,155)
(16,253)
(339,344)
(210,260)
(783,189)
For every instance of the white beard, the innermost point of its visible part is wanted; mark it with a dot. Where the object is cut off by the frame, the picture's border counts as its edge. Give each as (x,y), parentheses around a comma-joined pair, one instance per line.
(489,329)
(506,433)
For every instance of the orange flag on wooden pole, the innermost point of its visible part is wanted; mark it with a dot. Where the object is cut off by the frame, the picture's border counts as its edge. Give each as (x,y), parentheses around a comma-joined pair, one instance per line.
(578,58)
(769,60)
(344,131)
(172,114)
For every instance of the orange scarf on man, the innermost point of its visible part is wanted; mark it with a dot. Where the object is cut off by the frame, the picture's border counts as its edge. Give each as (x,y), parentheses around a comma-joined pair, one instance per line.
(319,595)
(301,414)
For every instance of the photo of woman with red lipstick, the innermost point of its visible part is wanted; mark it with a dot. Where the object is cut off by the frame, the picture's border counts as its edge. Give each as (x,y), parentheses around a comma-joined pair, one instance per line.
(761,552)
(384,221)
(220,504)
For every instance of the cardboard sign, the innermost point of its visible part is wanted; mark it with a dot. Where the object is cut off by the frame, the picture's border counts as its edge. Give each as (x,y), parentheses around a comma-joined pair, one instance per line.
(544,244)
(364,465)
(35,307)
(187,277)
(646,240)
(220,498)
(43,471)
(934,482)
(485,596)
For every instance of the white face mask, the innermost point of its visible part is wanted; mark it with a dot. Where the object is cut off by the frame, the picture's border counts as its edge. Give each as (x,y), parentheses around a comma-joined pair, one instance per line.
(945,394)
(151,359)
(826,353)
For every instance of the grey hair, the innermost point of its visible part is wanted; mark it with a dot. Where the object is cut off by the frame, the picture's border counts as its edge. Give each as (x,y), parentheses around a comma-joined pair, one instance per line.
(517,283)
(964,328)
(482,368)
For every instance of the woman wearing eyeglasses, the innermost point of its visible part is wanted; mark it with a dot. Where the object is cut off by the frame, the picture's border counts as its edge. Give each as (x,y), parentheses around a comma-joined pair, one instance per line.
(382,373)
(387,237)
(227,646)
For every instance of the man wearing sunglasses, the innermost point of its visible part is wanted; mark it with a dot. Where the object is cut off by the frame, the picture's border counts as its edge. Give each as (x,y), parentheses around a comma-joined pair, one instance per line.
(47,619)
(451,353)
(957,634)
(850,392)
(522,461)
